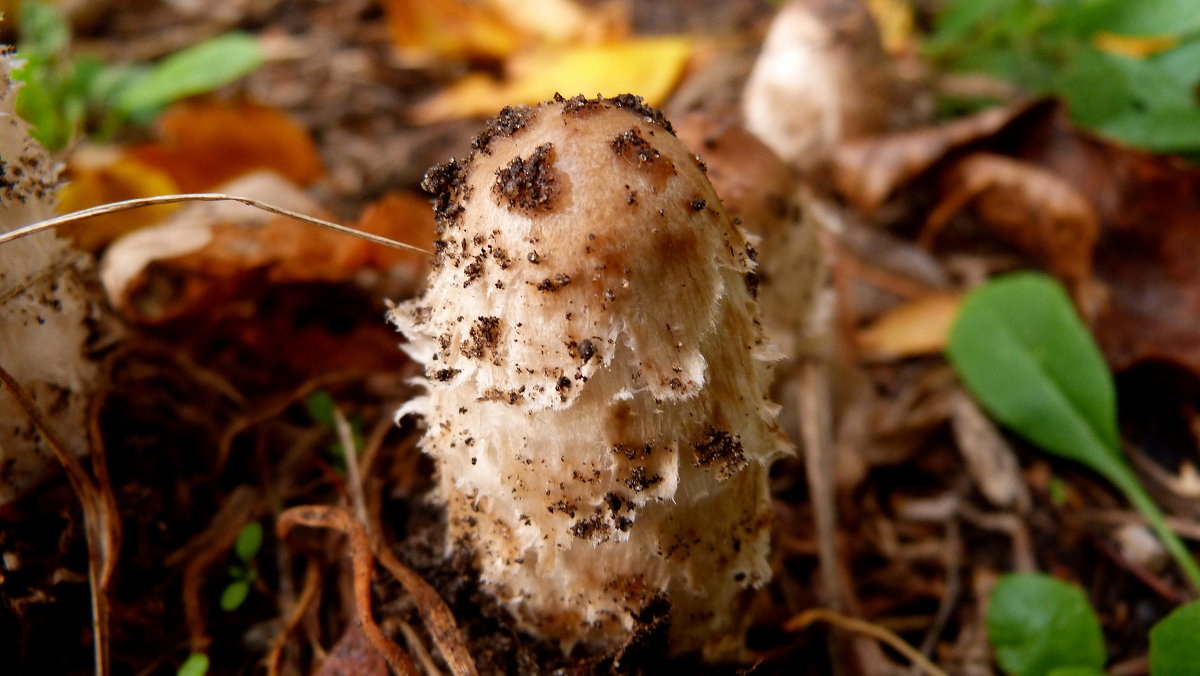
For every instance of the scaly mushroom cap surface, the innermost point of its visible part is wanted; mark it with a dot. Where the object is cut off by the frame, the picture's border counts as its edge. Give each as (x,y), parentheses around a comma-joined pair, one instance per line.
(596,377)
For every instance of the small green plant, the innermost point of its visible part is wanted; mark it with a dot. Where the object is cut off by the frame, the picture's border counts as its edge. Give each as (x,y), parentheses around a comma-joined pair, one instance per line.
(1024,354)
(1041,626)
(1055,48)
(244,572)
(320,405)
(195,665)
(64,95)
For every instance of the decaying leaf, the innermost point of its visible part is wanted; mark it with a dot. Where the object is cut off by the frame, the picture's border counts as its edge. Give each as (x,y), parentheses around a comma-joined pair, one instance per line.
(208,142)
(649,66)
(48,311)
(868,171)
(1033,208)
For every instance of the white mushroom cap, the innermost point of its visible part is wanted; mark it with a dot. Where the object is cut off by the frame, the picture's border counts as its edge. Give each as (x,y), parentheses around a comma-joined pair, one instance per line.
(596,376)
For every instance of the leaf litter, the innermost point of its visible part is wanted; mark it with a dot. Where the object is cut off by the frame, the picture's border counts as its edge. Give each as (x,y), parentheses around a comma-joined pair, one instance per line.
(205,430)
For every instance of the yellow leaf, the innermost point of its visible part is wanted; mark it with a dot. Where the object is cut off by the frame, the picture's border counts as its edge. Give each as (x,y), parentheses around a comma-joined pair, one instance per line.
(101,180)
(648,67)
(918,327)
(895,21)
(1134,46)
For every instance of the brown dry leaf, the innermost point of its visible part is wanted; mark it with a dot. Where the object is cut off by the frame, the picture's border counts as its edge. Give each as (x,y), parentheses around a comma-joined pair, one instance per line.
(918,327)
(404,217)
(1031,207)
(207,142)
(649,67)
(867,172)
(103,178)
(353,655)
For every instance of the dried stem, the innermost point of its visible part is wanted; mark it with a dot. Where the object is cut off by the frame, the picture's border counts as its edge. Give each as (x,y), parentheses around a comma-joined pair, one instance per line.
(84,214)
(808,617)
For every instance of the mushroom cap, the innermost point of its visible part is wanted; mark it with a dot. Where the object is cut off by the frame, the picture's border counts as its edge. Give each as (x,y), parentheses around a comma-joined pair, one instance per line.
(596,376)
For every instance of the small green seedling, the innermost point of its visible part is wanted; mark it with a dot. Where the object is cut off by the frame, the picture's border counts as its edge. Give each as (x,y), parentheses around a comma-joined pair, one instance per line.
(1021,350)
(1039,626)
(321,406)
(244,572)
(63,94)
(195,665)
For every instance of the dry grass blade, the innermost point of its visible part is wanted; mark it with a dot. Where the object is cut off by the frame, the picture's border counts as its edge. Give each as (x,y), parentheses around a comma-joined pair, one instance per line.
(115,207)
(338,519)
(98,516)
(808,617)
(310,593)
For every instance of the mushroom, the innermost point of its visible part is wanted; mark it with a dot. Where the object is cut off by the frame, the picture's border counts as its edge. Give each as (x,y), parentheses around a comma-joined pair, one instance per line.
(596,377)
(48,310)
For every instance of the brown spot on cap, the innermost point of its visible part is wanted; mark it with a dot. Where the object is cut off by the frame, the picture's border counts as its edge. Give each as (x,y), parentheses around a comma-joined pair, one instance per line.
(446,183)
(510,120)
(485,335)
(528,185)
(723,449)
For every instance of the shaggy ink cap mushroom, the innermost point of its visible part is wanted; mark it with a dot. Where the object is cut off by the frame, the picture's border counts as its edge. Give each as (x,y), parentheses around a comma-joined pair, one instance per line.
(596,377)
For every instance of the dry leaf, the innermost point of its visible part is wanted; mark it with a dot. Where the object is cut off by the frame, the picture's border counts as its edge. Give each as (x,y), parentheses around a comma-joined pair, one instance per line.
(648,67)
(1032,208)
(868,171)
(95,179)
(206,142)
(916,328)
(988,457)
(405,217)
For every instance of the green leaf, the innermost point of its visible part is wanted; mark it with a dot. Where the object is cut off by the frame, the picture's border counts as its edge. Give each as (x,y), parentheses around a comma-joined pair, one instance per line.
(195,665)
(1021,350)
(234,595)
(248,541)
(1038,624)
(1074,671)
(320,406)
(44,32)
(1175,643)
(1140,17)
(195,70)
(1165,131)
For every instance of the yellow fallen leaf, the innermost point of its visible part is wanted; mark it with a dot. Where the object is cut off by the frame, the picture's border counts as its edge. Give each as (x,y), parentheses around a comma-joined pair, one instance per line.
(1134,46)
(423,32)
(895,21)
(648,67)
(100,180)
(918,327)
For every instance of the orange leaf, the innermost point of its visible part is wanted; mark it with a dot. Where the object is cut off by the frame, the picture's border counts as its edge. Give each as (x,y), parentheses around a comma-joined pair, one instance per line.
(405,217)
(208,142)
(423,31)
(97,180)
